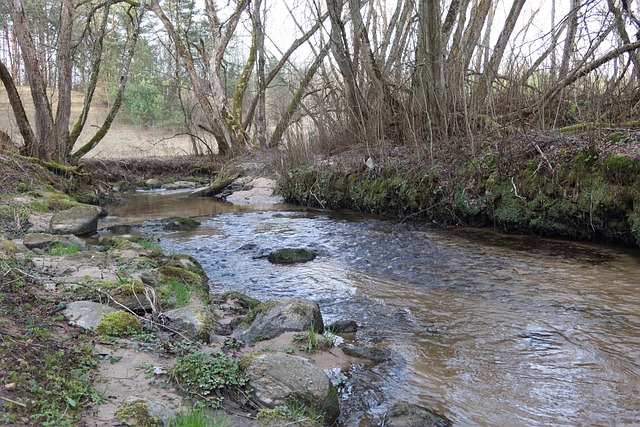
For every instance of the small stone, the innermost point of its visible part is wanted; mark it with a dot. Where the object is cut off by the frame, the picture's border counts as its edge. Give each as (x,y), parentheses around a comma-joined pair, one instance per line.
(10,386)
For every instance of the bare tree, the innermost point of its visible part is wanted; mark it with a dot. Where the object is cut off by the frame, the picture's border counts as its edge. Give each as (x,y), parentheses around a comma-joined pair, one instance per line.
(51,139)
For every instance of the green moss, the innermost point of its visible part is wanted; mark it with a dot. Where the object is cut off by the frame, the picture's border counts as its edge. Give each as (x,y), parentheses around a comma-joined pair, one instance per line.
(7,246)
(634,222)
(59,249)
(119,323)
(188,263)
(176,285)
(259,309)
(584,197)
(620,170)
(136,413)
(467,204)
(40,206)
(615,137)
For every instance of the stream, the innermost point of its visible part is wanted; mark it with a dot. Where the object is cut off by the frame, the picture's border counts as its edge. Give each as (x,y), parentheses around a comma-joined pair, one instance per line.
(487,329)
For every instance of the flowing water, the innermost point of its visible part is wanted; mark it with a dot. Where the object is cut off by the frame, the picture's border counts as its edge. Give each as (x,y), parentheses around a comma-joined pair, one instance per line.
(489,330)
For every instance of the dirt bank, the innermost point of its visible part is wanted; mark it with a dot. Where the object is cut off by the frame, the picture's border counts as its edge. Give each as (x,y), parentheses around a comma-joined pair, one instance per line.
(581,187)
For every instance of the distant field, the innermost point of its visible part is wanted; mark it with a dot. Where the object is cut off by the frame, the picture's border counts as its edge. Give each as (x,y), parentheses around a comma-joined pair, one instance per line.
(123,140)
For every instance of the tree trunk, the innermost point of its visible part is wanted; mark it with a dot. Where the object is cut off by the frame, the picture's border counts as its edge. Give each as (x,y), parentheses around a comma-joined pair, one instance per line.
(569,41)
(45,146)
(491,69)
(64,65)
(113,111)
(261,114)
(285,119)
(429,80)
(356,109)
(20,115)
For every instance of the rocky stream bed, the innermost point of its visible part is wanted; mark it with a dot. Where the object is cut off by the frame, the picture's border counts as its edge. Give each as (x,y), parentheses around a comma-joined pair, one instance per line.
(162,344)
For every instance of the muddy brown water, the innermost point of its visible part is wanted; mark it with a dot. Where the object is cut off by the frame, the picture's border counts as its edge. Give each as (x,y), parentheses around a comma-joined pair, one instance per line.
(490,330)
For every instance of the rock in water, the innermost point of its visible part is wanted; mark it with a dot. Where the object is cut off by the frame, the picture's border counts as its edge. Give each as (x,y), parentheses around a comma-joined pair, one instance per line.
(291,256)
(404,414)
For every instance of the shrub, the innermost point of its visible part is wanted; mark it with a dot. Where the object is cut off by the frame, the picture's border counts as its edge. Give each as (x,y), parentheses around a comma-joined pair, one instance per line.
(204,374)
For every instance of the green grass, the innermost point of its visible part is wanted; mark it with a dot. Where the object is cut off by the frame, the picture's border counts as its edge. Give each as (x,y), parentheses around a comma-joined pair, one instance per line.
(197,416)
(181,292)
(148,244)
(292,414)
(59,249)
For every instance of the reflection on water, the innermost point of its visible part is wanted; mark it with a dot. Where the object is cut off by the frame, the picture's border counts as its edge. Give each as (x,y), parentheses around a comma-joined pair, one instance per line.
(147,205)
(490,330)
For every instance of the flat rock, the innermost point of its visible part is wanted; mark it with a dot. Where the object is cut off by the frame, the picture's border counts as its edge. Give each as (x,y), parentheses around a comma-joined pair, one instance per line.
(47,241)
(255,190)
(372,353)
(85,314)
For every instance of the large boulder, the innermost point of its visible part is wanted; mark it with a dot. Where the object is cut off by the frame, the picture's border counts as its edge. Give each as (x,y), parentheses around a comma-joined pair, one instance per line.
(277,316)
(86,314)
(404,414)
(278,379)
(79,220)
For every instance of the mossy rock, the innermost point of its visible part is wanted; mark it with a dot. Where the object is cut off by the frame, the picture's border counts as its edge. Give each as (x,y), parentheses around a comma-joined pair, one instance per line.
(179,223)
(291,256)
(176,285)
(143,412)
(131,294)
(620,170)
(261,308)
(169,272)
(7,246)
(244,301)
(188,263)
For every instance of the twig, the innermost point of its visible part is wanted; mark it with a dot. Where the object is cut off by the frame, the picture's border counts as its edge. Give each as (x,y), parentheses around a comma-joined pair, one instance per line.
(515,190)
(13,401)
(151,321)
(316,197)
(543,156)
